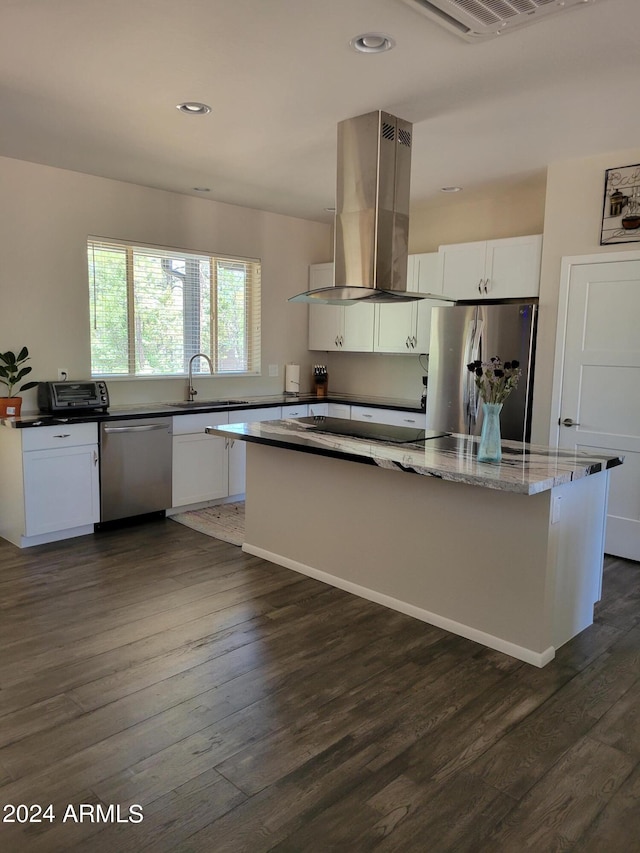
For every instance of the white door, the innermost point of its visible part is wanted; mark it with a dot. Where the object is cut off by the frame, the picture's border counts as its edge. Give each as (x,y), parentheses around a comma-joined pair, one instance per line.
(601,385)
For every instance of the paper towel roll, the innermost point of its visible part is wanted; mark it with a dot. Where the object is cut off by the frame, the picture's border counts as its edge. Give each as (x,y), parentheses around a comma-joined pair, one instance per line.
(292,378)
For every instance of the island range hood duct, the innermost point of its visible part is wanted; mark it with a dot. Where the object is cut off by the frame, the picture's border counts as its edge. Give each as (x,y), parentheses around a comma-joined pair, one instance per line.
(372,214)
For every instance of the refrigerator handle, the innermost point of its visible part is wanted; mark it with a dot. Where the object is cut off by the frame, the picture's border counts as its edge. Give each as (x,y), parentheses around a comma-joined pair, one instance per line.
(469,401)
(476,354)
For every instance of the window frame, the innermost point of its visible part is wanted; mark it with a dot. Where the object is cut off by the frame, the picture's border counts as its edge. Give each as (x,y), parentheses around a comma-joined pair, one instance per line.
(252,309)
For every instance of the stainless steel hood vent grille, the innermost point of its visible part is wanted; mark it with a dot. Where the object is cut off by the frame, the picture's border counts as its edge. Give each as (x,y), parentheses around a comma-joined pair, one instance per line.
(477,20)
(372,213)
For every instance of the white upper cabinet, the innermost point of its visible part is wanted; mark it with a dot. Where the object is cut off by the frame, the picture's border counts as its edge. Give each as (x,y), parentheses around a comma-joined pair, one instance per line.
(405,328)
(492,269)
(335,327)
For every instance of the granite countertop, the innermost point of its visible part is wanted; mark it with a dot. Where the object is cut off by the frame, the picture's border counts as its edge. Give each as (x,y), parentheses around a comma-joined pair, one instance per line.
(146,410)
(525,468)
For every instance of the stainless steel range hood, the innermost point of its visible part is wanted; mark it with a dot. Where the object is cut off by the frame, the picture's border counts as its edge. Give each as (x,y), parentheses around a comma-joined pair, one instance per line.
(372,214)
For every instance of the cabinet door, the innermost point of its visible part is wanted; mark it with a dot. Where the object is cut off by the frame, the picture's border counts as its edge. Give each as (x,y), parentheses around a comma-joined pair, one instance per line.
(325,321)
(238,449)
(61,489)
(326,327)
(428,280)
(395,327)
(200,468)
(357,325)
(334,327)
(463,270)
(512,267)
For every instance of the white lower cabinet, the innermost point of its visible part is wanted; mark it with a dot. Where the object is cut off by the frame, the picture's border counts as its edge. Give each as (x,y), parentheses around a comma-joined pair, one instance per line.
(200,461)
(52,486)
(238,449)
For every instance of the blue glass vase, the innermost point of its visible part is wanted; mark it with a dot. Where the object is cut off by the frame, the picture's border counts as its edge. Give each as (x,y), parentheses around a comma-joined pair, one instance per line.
(490,447)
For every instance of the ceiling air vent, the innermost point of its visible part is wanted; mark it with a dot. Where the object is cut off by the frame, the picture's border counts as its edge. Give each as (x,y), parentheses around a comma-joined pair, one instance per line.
(477,20)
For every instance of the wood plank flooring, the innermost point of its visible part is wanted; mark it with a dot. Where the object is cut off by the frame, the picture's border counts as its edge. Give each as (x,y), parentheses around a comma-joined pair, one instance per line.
(249,708)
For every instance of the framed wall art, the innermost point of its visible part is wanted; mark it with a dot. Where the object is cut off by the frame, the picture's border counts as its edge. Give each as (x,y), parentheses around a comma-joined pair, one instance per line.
(621,207)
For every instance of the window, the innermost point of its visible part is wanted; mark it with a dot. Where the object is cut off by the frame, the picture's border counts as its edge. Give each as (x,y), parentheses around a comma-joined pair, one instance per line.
(153,308)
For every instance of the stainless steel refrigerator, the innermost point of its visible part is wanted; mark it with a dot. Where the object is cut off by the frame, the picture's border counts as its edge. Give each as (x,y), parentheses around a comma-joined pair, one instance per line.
(463,333)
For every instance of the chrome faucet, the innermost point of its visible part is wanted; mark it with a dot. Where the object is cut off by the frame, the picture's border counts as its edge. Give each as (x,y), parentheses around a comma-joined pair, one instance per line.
(191,392)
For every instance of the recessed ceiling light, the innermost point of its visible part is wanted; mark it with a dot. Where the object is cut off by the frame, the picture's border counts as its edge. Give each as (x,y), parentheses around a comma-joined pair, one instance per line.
(201,189)
(450,189)
(194,108)
(372,43)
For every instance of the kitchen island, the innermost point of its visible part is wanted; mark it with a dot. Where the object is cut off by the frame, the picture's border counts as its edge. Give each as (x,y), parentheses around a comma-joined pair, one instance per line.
(508,555)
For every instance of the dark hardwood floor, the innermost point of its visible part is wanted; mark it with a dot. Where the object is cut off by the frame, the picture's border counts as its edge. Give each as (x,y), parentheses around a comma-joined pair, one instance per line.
(249,708)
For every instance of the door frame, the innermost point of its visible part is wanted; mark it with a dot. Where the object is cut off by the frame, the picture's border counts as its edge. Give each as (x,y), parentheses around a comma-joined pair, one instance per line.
(568,262)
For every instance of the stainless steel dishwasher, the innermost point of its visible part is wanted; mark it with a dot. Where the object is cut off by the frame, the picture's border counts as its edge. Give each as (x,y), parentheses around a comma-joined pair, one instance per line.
(135,467)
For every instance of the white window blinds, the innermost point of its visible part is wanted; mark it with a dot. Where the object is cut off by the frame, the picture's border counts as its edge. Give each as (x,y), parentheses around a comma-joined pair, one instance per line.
(153,308)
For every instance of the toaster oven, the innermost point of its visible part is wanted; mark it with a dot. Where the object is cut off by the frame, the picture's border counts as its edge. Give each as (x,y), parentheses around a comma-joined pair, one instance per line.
(56,397)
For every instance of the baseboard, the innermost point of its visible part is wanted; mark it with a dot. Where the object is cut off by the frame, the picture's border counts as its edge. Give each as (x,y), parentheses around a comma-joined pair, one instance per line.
(538,659)
(56,536)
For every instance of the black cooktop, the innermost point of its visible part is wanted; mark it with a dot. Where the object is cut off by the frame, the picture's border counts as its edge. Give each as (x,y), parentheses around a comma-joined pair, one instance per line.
(371,431)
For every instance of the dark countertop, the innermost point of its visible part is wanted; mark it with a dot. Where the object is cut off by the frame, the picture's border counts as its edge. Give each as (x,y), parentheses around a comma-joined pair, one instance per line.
(146,410)
(526,469)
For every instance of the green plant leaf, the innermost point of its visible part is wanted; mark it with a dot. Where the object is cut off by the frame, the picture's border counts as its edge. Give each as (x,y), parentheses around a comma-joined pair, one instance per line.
(9,357)
(22,373)
(28,385)
(23,354)
(3,371)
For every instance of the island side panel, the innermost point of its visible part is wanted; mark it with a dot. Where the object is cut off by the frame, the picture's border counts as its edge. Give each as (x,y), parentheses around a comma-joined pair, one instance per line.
(577,534)
(477,557)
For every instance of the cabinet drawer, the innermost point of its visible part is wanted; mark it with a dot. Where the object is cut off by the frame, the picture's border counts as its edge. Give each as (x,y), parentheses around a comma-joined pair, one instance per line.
(340,410)
(300,411)
(63,435)
(395,417)
(318,409)
(251,416)
(191,424)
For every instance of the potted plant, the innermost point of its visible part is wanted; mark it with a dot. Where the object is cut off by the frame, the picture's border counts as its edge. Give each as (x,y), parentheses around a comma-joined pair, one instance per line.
(11,372)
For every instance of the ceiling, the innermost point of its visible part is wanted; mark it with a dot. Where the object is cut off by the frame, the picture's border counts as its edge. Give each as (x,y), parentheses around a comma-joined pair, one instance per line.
(92,85)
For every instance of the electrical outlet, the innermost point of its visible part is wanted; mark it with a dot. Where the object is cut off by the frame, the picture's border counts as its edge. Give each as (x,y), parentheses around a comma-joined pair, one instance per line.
(63,374)
(273,370)
(556,502)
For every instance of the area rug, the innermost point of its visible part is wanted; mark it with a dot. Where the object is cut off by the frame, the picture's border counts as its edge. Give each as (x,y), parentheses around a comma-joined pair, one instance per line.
(225,521)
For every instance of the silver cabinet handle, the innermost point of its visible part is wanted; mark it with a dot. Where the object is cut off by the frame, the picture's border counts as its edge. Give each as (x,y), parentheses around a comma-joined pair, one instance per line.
(336,341)
(365,415)
(63,435)
(486,285)
(414,341)
(480,286)
(569,422)
(409,420)
(142,428)
(407,343)
(95,457)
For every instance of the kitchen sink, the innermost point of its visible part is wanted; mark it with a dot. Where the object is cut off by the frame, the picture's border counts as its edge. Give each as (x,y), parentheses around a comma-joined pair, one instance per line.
(206,404)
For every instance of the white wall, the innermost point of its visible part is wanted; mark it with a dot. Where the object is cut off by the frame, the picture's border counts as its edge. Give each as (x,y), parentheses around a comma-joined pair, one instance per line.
(46,215)
(572,221)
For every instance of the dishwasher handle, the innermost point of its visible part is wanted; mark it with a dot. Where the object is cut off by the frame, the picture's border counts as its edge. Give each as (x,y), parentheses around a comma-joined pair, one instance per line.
(141,428)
